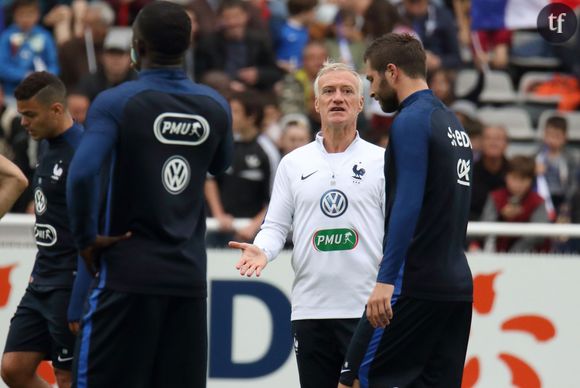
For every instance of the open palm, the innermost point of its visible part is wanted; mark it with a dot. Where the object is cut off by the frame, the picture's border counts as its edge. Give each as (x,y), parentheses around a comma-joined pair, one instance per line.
(253,258)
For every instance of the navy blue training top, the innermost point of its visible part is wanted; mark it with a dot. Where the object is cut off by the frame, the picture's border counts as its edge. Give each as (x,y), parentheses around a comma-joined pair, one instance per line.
(56,261)
(159,136)
(428,186)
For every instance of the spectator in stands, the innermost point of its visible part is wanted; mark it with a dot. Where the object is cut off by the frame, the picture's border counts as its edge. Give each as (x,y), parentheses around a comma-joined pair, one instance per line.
(556,165)
(345,40)
(116,67)
(78,106)
(295,133)
(297,90)
(441,81)
(490,39)
(379,17)
(81,55)
(245,55)
(489,172)
(436,28)
(243,191)
(25,47)
(516,202)
(290,36)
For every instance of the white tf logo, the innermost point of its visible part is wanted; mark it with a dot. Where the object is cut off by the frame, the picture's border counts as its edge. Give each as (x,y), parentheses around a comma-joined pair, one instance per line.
(39,201)
(463,168)
(175,174)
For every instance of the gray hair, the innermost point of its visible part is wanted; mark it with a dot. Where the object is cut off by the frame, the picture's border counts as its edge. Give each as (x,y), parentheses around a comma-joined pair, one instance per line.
(329,66)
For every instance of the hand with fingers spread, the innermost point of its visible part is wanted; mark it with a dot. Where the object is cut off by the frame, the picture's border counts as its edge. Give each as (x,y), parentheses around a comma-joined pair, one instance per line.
(93,251)
(379,311)
(253,258)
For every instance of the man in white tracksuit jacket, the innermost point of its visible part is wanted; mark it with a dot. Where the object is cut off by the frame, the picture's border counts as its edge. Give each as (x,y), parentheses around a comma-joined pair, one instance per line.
(331,193)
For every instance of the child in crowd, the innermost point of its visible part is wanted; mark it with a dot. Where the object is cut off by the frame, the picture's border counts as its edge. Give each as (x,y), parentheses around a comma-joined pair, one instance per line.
(556,166)
(517,202)
(25,47)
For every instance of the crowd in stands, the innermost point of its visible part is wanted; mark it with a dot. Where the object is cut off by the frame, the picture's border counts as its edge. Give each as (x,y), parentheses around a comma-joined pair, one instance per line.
(263,55)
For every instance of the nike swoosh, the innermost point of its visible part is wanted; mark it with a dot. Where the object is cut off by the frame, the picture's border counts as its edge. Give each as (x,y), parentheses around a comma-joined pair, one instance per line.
(60,359)
(344,371)
(308,176)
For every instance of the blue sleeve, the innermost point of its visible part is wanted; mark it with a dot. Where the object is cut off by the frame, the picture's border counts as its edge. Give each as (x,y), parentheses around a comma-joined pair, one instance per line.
(84,173)
(410,149)
(79,293)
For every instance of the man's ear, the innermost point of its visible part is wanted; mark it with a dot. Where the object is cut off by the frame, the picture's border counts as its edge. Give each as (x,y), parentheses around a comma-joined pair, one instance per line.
(57,108)
(316,108)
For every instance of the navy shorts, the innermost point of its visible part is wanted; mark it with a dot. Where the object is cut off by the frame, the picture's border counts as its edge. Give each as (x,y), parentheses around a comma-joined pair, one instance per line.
(137,340)
(40,325)
(320,346)
(424,346)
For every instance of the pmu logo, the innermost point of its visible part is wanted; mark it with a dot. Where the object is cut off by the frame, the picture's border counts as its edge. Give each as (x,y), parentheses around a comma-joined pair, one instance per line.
(45,235)
(39,201)
(182,129)
(175,174)
(537,326)
(327,240)
(333,203)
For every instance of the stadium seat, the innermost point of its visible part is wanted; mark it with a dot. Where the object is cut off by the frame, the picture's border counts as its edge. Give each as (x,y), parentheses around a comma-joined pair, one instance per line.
(497,88)
(528,80)
(516,120)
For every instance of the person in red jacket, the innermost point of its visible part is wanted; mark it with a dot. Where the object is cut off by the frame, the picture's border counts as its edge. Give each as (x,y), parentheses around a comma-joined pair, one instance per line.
(517,202)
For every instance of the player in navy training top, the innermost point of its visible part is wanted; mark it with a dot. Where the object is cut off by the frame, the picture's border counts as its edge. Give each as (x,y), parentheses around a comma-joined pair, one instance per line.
(39,329)
(416,327)
(158,137)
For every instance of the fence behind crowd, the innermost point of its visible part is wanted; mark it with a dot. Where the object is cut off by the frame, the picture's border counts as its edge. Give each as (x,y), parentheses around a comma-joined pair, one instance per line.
(524,331)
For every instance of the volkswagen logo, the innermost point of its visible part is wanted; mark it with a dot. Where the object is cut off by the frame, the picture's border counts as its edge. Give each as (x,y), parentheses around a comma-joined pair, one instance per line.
(333,203)
(175,174)
(39,201)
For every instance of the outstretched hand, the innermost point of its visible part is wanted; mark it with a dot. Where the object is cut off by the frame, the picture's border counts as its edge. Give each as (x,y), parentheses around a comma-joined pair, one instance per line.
(253,258)
(92,252)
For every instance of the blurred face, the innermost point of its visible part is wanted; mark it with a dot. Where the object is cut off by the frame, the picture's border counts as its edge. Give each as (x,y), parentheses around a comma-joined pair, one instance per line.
(78,105)
(39,120)
(493,142)
(416,8)
(554,138)
(440,86)
(241,122)
(116,65)
(26,17)
(313,59)
(234,21)
(381,90)
(339,101)
(517,184)
(294,136)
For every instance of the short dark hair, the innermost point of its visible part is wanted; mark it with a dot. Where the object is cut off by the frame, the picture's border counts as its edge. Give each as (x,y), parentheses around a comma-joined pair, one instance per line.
(296,7)
(25,3)
(253,103)
(557,122)
(402,50)
(47,88)
(523,166)
(164,27)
